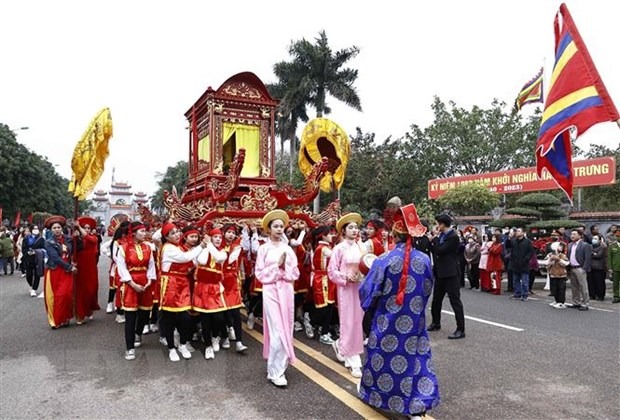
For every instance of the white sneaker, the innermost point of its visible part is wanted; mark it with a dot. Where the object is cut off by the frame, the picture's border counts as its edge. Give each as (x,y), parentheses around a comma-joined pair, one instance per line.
(226,343)
(297,326)
(190,347)
(130,354)
(120,319)
(33,293)
(553,304)
(209,353)
(137,342)
(154,328)
(173,355)
(240,347)
(216,344)
(146,330)
(281,381)
(41,295)
(559,306)
(23,275)
(110,308)
(231,334)
(251,320)
(356,372)
(326,339)
(163,341)
(308,328)
(185,351)
(339,356)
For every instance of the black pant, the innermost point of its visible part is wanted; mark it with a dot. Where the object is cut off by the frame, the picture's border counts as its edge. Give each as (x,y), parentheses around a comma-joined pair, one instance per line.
(233,318)
(8,262)
(462,265)
(134,324)
(598,284)
(532,280)
(32,278)
(558,285)
(322,317)
(182,321)
(474,275)
(211,324)
(509,280)
(451,286)
(256,305)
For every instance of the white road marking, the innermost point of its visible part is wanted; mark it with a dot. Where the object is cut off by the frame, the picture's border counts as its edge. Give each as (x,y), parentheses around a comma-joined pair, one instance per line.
(602,310)
(484,321)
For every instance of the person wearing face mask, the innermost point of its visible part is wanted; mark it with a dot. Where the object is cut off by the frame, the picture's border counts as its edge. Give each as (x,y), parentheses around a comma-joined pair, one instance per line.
(472,258)
(33,250)
(343,270)
(613,264)
(598,271)
(277,269)
(59,271)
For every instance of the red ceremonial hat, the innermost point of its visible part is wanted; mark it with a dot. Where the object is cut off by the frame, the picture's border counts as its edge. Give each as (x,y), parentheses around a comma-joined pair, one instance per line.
(406,221)
(87,220)
(54,219)
(215,231)
(231,227)
(165,230)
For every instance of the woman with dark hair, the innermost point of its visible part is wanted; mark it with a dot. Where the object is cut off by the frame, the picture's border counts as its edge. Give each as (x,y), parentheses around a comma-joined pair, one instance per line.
(176,263)
(58,274)
(87,279)
(33,256)
(495,264)
(323,291)
(136,269)
(598,272)
(276,268)
(343,270)
(557,263)
(114,300)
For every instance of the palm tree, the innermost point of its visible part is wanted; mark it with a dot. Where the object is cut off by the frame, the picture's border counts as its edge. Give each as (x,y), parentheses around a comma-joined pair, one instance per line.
(314,73)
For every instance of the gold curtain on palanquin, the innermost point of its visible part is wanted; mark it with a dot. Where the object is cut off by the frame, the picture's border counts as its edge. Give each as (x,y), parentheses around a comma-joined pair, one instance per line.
(246,137)
(204,149)
(90,154)
(322,130)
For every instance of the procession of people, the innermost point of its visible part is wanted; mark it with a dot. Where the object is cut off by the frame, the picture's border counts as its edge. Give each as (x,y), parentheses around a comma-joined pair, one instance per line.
(191,285)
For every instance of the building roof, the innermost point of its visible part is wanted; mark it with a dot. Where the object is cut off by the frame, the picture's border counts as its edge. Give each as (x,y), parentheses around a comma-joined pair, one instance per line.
(595,215)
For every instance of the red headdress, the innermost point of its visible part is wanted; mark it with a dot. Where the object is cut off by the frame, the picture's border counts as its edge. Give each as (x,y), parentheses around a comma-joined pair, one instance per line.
(215,231)
(54,219)
(86,220)
(406,221)
(165,230)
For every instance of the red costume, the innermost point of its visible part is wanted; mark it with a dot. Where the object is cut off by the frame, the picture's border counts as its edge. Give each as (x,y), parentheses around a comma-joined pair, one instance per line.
(58,285)
(495,265)
(208,294)
(138,260)
(232,291)
(175,294)
(302,285)
(87,278)
(323,291)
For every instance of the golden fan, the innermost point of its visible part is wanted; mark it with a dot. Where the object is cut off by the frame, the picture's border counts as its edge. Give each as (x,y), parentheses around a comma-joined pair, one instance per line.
(324,138)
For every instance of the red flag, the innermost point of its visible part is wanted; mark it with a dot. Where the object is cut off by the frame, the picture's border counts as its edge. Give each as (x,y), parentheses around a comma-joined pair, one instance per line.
(577,99)
(18,218)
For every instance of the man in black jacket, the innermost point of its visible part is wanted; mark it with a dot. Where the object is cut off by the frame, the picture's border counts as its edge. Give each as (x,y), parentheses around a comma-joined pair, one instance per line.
(445,245)
(521,250)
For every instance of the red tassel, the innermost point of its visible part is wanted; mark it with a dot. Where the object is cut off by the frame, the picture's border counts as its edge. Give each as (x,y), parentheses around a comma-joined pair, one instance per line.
(402,284)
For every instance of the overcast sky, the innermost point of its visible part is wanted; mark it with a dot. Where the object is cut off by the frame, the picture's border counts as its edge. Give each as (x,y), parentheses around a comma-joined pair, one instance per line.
(149,61)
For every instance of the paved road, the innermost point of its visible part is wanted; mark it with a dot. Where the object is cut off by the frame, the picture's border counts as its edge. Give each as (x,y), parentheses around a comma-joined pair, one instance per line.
(533,362)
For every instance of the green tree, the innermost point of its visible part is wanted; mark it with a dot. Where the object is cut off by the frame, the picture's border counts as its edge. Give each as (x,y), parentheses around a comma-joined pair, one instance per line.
(176,176)
(314,73)
(605,197)
(542,206)
(469,199)
(29,182)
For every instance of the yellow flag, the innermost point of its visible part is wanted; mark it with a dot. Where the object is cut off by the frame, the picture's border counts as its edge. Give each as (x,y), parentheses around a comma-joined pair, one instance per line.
(324,138)
(90,154)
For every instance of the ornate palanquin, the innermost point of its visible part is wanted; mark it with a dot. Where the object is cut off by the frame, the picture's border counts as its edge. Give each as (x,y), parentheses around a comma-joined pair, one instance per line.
(232,161)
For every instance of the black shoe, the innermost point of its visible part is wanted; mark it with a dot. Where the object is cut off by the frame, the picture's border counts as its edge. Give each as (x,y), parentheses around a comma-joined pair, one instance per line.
(583,308)
(433,327)
(574,306)
(616,300)
(456,335)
